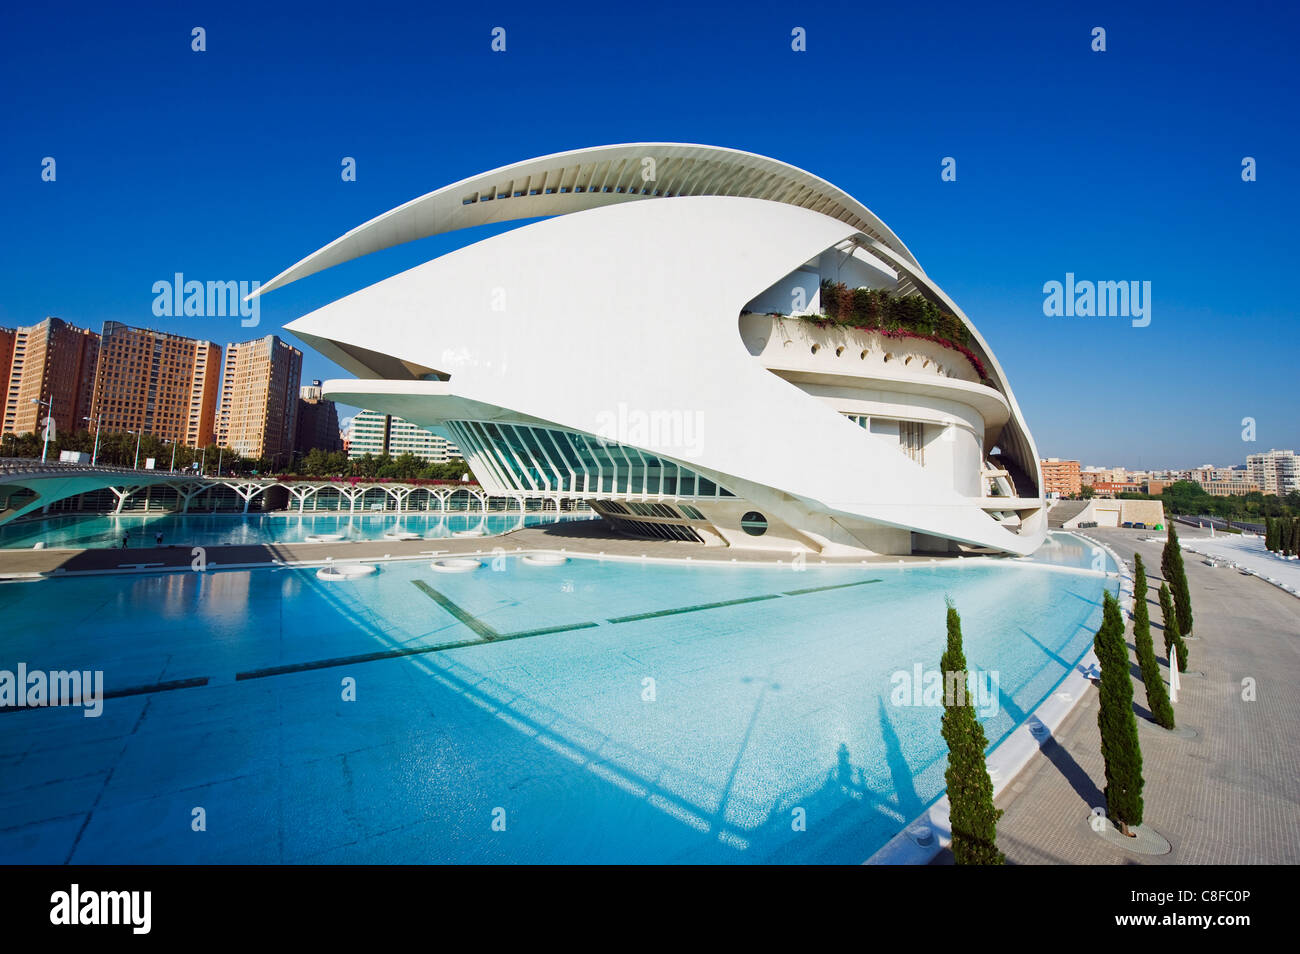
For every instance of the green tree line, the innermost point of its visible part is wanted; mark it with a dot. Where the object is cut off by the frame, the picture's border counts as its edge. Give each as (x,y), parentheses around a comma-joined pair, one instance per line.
(1189,497)
(118,449)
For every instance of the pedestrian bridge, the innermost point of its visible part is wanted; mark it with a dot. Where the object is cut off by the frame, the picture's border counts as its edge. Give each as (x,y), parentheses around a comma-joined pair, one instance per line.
(27,486)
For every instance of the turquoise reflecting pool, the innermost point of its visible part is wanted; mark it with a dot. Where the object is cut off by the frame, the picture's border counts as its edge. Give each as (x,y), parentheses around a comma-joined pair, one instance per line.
(100,531)
(600,711)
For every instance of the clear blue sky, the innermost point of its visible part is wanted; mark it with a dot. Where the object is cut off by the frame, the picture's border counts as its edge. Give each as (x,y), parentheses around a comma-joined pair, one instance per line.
(1123,165)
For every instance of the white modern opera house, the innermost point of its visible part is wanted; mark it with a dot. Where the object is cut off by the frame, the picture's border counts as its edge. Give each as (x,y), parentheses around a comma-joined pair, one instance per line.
(706,344)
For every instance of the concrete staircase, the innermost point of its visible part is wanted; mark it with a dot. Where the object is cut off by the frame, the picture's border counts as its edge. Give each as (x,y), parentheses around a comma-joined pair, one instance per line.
(1063,511)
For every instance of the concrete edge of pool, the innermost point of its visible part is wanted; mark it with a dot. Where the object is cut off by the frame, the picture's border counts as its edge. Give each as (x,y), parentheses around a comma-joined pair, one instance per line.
(51,563)
(1009,757)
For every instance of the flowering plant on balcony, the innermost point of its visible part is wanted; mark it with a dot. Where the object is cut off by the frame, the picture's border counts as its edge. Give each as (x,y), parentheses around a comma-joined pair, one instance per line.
(909,316)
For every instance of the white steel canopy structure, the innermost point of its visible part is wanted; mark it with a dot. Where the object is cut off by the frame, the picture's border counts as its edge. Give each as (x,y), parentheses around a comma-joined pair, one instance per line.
(667,360)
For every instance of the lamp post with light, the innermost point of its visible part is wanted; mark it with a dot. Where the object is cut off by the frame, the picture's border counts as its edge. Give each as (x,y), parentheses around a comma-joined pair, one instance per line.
(99,423)
(48,420)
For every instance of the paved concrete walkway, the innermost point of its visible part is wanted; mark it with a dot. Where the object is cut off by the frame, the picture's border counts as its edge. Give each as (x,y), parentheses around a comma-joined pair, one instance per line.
(1231,795)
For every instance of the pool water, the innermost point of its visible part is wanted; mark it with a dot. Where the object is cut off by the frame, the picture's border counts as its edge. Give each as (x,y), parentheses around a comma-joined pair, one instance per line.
(645,723)
(87,531)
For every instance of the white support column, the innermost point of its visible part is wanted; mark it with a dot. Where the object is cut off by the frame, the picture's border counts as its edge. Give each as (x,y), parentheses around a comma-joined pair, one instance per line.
(122,494)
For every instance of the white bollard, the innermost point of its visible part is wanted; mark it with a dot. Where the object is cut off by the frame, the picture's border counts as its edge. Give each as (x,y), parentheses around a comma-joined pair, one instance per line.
(1174,682)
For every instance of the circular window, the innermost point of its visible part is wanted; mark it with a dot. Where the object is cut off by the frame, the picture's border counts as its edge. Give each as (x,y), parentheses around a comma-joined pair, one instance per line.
(839,351)
(754,523)
(816,348)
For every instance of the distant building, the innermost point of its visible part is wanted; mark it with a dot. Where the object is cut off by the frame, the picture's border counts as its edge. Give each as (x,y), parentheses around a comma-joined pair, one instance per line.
(258,416)
(51,361)
(153,382)
(318,422)
(7,336)
(1109,488)
(1093,475)
(1276,472)
(1230,488)
(377,434)
(1060,477)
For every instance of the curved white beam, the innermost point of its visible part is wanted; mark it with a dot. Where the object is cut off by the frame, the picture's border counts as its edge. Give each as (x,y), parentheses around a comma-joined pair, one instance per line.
(582,179)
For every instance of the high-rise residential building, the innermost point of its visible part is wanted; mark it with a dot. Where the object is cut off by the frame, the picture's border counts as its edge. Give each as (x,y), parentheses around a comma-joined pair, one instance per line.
(1060,477)
(52,361)
(6,353)
(153,382)
(376,434)
(318,422)
(1276,472)
(258,416)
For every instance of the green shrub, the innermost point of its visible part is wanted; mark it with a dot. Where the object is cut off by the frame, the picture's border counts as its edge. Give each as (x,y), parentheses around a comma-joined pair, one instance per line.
(1157,696)
(1115,719)
(970,790)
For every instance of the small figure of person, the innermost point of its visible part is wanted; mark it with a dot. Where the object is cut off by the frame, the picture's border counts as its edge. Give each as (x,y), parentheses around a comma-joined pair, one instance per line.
(126,537)
(158,538)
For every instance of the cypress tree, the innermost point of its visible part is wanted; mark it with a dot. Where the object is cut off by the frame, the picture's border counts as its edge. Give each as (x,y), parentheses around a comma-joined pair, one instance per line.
(1270,533)
(1157,696)
(1173,636)
(1115,719)
(1176,576)
(970,790)
(1295,536)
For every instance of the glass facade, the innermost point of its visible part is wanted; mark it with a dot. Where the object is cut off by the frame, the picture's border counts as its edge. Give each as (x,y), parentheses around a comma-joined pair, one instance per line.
(528,458)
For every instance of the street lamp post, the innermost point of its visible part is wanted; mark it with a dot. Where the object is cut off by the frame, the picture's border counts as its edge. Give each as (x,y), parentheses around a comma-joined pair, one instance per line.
(99,423)
(46,446)
(136,464)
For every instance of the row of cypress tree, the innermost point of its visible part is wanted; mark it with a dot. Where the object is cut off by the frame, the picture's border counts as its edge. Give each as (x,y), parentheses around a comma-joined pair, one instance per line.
(1157,695)
(970,790)
(1115,718)
(1282,535)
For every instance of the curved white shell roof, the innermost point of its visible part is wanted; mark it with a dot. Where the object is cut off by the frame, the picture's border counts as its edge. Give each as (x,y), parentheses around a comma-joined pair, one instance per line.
(589,178)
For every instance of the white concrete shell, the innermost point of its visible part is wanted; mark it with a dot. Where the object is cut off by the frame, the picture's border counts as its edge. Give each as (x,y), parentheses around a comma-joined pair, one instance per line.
(628,310)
